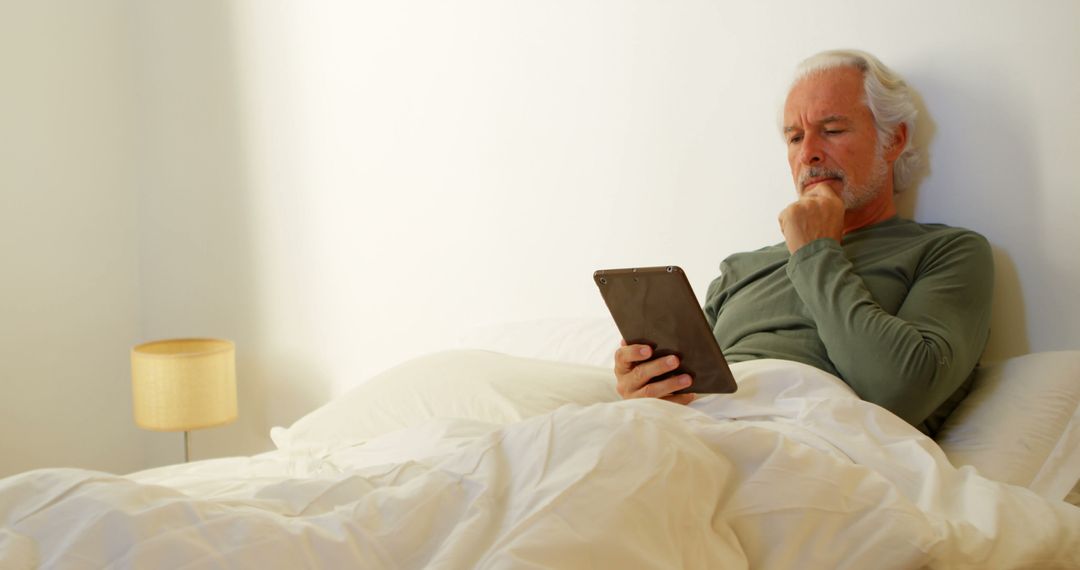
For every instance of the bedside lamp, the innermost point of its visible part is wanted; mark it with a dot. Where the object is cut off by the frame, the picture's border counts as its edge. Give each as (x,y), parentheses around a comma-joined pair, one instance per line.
(184,384)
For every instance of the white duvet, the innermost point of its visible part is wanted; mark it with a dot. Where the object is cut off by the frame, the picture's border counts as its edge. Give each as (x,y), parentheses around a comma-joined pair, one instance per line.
(792,471)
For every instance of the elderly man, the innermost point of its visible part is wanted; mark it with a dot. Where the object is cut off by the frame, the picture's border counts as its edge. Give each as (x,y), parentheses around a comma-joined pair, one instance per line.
(898,310)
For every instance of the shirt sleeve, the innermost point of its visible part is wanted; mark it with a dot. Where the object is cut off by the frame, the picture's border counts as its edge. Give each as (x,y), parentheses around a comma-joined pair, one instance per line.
(912,361)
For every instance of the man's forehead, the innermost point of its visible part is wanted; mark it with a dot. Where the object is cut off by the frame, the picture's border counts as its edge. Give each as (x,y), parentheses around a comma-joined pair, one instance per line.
(826,95)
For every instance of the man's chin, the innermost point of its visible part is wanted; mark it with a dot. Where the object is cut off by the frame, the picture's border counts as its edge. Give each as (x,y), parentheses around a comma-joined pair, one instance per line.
(854,199)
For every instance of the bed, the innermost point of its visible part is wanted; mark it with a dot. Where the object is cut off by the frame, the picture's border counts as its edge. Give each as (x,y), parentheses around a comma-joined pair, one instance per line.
(514,451)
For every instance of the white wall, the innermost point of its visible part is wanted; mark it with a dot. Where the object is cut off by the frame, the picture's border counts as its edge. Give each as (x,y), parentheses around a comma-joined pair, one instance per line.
(68,238)
(339,185)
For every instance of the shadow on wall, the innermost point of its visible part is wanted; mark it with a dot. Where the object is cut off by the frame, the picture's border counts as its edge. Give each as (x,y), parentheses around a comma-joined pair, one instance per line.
(200,273)
(1008,330)
(954,181)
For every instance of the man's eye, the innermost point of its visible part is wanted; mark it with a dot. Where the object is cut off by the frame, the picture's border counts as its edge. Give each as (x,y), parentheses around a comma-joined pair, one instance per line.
(833,131)
(795,139)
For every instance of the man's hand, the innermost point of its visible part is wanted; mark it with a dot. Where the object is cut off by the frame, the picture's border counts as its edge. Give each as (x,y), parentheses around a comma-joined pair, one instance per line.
(818,213)
(633,375)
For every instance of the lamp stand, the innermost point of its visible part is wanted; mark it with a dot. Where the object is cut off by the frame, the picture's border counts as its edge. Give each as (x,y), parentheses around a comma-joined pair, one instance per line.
(187,447)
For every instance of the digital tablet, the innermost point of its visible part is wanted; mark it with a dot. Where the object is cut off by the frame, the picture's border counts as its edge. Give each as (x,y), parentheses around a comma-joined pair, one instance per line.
(656,306)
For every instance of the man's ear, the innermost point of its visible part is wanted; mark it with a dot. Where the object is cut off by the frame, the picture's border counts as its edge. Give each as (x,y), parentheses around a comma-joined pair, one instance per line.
(896,145)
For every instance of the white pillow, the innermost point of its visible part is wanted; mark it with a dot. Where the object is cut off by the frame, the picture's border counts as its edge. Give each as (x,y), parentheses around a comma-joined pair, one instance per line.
(1021,423)
(579,340)
(474,384)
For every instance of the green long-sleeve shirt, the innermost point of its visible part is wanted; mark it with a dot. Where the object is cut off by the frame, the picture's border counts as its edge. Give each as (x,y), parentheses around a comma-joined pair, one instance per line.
(898,310)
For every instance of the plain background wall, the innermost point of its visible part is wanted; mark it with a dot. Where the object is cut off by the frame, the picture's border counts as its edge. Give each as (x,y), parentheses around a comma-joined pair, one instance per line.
(68,238)
(339,186)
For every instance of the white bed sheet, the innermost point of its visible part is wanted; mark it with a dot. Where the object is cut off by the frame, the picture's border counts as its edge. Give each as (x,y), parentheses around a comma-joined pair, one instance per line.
(808,477)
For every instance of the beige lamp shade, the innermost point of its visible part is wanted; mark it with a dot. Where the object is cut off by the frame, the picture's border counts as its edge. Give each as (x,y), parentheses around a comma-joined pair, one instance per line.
(184,384)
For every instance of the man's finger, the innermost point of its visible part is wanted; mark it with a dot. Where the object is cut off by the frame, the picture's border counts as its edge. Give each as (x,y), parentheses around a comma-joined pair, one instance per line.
(649,370)
(626,356)
(639,376)
(664,388)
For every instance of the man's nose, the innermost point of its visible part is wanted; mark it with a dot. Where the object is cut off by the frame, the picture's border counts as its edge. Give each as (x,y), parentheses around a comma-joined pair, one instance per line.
(810,151)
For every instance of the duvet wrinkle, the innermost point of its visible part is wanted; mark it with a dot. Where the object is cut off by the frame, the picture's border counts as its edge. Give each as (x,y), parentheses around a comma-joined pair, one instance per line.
(608,458)
(74,489)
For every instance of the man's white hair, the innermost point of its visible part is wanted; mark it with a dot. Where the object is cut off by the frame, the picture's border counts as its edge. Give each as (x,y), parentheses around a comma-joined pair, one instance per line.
(888,97)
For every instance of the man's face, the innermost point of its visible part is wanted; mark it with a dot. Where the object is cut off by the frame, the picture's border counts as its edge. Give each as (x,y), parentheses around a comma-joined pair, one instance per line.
(831,137)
